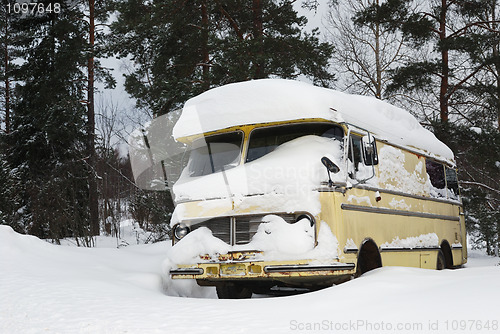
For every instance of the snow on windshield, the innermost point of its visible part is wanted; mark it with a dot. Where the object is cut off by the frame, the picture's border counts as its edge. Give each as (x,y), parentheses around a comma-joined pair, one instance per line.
(293,168)
(266,139)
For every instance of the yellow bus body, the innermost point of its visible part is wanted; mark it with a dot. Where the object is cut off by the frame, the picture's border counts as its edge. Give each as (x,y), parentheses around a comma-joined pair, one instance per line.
(354,223)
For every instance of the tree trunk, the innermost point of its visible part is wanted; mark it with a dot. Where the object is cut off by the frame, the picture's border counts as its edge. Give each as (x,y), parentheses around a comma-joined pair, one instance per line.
(497,66)
(93,200)
(496,55)
(204,48)
(7,83)
(258,37)
(378,67)
(443,93)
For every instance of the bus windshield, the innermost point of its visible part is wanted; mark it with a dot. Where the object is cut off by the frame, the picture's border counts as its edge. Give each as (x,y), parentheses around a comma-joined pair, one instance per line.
(215,153)
(266,140)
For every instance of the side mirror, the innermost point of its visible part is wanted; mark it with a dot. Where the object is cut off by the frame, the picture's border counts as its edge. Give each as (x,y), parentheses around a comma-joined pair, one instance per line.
(368,144)
(330,166)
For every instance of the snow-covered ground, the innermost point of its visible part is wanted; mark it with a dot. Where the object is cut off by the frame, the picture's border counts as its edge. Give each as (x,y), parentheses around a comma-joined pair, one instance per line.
(57,289)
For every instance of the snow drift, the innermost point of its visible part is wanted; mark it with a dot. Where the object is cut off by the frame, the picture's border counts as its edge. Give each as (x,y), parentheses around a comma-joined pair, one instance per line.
(56,289)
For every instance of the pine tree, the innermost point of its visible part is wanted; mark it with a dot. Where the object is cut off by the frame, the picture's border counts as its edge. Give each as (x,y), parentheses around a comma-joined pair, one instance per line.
(478,159)
(463,73)
(9,48)
(46,145)
(92,159)
(482,46)
(97,13)
(264,39)
(182,48)
(446,25)
(10,201)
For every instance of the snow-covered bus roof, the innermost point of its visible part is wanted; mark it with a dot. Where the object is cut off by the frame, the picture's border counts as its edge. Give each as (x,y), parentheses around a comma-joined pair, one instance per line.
(273,100)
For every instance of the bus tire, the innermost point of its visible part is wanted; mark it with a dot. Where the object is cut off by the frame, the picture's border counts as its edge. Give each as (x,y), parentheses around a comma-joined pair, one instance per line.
(232,290)
(441,261)
(448,258)
(368,258)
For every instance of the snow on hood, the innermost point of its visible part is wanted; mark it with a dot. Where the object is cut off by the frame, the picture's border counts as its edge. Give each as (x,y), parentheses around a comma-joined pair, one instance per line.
(293,169)
(270,100)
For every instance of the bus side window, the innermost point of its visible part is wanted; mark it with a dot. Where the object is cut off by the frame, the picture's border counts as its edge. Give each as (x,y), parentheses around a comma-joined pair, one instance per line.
(435,170)
(452,183)
(355,151)
(370,152)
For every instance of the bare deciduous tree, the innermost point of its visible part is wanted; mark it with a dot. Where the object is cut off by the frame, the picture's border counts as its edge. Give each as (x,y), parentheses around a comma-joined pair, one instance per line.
(363,53)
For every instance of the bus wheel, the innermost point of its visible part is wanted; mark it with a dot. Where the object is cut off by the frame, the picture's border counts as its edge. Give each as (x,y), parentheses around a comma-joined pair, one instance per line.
(441,262)
(368,258)
(232,291)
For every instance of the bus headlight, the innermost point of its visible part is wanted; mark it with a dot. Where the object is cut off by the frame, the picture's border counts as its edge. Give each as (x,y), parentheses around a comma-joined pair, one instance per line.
(180,231)
(305,216)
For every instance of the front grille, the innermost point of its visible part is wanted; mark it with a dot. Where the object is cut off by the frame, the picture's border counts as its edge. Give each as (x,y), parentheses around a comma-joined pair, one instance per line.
(245,228)
(237,230)
(220,227)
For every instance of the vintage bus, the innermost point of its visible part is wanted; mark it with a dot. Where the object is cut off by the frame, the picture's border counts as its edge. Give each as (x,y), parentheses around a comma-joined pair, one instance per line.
(290,185)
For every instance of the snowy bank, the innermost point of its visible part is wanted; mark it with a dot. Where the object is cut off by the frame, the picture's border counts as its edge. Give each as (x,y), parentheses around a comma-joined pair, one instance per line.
(54,289)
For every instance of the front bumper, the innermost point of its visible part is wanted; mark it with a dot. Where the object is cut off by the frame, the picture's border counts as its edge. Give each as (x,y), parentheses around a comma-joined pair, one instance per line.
(240,267)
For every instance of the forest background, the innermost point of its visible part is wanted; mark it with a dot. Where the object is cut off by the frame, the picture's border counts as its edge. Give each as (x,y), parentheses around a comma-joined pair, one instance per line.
(64,172)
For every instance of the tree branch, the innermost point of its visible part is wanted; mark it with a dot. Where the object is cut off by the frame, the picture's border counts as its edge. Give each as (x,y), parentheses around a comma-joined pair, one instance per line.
(480,185)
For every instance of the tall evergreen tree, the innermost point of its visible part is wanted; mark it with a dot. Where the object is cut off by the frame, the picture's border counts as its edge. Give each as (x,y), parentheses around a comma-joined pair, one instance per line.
(462,73)
(10,201)
(482,46)
(92,159)
(9,47)
(478,159)
(265,38)
(97,12)
(442,25)
(181,48)
(46,146)
(9,43)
